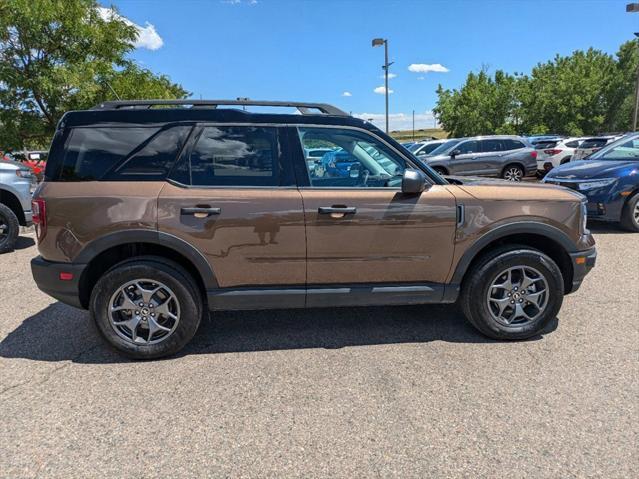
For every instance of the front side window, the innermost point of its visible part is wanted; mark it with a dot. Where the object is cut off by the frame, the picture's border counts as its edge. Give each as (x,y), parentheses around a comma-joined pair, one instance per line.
(236,156)
(468,147)
(354,159)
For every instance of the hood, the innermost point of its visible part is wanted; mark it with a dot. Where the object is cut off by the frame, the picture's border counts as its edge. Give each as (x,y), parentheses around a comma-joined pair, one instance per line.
(11,165)
(587,169)
(477,180)
(498,189)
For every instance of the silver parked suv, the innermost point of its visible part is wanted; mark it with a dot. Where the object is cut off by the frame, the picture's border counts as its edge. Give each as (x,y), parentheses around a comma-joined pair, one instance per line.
(508,157)
(17,183)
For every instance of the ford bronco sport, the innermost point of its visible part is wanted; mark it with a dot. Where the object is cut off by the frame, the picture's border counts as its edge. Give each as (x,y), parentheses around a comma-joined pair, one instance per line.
(152,217)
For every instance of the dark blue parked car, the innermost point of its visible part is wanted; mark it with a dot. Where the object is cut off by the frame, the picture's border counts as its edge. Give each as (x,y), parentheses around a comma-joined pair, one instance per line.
(609,178)
(336,163)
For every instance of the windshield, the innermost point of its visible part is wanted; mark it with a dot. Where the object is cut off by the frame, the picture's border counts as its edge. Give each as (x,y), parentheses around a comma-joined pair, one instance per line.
(443,148)
(414,146)
(624,149)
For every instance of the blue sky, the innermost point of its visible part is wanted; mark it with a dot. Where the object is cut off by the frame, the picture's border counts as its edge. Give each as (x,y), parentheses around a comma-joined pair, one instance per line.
(317,50)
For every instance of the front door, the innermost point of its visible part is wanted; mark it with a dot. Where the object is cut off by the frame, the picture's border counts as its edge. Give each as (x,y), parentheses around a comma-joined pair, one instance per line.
(234,199)
(467,161)
(361,229)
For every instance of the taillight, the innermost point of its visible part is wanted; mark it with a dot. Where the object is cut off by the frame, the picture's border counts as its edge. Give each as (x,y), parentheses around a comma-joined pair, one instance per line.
(533,154)
(39,210)
(552,152)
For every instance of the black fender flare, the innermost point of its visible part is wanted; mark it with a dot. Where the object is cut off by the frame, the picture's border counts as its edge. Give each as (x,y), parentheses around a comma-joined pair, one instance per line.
(523,227)
(119,238)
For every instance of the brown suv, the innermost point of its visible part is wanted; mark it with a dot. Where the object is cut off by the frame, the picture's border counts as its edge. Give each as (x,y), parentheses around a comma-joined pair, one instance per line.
(150,217)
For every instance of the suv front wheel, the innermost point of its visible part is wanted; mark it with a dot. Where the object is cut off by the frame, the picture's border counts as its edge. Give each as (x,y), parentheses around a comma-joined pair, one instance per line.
(512,293)
(147,307)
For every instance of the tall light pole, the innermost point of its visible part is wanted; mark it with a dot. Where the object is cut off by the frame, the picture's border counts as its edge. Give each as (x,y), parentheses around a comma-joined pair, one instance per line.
(634,8)
(378,42)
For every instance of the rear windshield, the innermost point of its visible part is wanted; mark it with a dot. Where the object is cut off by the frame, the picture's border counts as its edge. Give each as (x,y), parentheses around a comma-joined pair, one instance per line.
(542,145)
(121,153)
(594,143)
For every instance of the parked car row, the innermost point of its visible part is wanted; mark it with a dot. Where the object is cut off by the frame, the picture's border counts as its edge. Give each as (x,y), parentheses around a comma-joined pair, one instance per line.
(17,183)
(508,157)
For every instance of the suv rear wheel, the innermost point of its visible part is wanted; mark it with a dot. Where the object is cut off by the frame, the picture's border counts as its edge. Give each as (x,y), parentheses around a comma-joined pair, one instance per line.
(9,229)
(147,307)
(512,293)
(513,173)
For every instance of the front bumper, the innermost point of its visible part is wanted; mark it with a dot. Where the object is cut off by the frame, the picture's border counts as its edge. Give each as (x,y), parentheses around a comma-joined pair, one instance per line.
(46,275)
(582,263)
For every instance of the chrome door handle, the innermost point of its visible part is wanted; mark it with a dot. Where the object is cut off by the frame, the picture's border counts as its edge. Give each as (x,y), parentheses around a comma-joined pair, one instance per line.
(344,210)
(200,212)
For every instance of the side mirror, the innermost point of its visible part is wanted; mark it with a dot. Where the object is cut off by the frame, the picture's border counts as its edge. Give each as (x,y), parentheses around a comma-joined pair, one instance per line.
(413,181)
(454,153)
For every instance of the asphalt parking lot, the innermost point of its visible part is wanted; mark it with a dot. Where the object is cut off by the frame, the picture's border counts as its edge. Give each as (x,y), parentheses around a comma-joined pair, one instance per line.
(402,391)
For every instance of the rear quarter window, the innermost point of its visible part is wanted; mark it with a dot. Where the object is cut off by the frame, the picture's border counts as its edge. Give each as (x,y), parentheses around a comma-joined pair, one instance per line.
(510,144)
(121,153)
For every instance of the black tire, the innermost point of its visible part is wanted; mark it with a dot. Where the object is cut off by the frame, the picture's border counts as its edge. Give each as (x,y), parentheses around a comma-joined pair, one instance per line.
(476,286)
(9,229)
(509,172)
(629,218)
(441,171)
(180,282)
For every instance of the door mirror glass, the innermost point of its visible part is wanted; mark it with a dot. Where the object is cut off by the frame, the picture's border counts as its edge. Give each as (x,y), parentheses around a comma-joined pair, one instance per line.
(413,181)
(455,152)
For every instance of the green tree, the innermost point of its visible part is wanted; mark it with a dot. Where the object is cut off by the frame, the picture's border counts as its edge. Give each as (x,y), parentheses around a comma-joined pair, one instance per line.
(60,55)
(483,105)
(584,93)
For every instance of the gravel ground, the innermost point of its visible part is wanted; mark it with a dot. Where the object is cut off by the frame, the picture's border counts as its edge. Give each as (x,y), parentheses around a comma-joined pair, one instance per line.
(358,392)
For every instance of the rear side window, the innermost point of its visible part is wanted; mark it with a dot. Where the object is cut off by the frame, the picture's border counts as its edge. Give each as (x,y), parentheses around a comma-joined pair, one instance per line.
(121,153)
(236,156)
(510,144)
(488,146)
(573,144)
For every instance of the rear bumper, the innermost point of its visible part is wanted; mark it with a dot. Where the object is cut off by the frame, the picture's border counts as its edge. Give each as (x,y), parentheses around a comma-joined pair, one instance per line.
(582,263)
(46,275)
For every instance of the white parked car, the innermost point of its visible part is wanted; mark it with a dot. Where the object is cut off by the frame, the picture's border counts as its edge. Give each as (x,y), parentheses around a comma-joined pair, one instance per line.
(552,153)
(423,148)
(590,145)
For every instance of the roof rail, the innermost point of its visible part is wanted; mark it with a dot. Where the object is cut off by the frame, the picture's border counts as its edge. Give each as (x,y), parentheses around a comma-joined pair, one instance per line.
(303,107)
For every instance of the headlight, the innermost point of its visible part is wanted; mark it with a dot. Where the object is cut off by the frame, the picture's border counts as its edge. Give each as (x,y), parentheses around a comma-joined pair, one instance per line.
(584,218)
(24,173)
(591,185)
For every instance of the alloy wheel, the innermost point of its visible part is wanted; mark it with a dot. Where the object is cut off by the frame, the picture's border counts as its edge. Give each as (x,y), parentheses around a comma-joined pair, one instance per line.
(517,296)
(513,174)
(144,311)
(635,213)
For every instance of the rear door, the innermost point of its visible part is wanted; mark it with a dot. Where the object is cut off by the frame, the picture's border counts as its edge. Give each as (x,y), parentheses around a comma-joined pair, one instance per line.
(361,229)
(233,197)
(491,159)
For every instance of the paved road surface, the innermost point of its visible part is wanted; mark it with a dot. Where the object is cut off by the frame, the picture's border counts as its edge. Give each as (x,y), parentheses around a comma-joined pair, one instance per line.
(404,391)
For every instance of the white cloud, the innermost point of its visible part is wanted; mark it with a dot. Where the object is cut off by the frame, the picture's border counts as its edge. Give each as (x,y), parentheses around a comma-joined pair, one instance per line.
(390,75)
(421,78)
(237,2)
(399,121)
(425,68)
(148,37)
(382,89)
(347,93)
